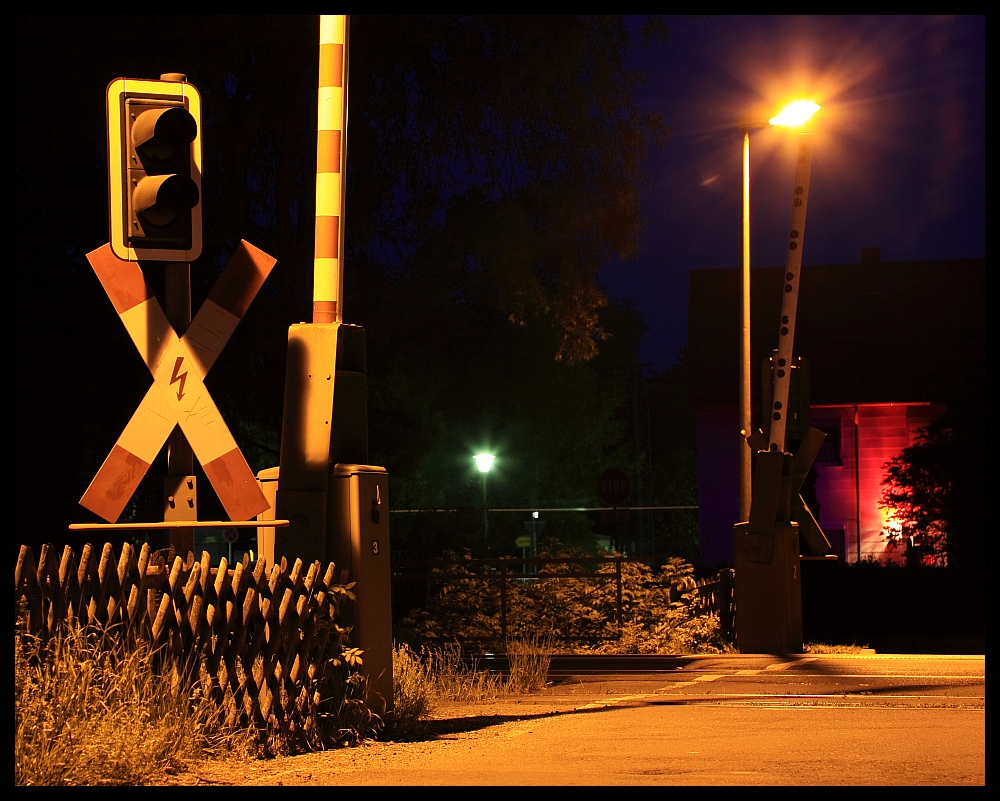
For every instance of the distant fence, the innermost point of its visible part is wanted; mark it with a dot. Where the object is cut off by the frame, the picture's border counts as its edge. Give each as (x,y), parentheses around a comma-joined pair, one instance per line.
(649,533)
(500,582)
(263,641)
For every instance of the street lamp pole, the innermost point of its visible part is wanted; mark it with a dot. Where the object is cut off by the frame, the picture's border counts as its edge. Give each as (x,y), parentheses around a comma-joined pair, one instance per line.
(484,461)
(745,467)
(486,515)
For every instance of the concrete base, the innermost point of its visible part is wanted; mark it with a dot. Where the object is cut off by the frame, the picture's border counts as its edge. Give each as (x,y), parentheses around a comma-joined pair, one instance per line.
(768,590)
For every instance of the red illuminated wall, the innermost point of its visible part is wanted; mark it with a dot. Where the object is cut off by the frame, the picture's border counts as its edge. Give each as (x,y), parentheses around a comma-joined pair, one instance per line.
(902,340)
(847,488)
(850,473)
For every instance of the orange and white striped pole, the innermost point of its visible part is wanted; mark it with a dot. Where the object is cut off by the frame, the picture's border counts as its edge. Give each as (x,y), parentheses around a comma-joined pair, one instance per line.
(328,274)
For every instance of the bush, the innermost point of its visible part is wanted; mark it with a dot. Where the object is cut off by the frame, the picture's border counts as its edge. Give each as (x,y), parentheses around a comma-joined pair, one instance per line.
(571,605)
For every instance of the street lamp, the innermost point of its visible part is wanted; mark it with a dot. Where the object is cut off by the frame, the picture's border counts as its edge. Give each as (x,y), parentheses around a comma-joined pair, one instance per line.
(484,461)
(793,115)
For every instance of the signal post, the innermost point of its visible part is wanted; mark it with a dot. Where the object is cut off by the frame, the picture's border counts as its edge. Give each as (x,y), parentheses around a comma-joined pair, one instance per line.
(154,191)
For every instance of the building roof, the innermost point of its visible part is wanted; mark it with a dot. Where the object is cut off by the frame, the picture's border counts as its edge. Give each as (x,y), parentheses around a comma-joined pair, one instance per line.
(872,332)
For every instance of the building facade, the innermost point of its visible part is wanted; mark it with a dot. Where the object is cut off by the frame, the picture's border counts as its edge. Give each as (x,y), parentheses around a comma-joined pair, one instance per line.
(889,347)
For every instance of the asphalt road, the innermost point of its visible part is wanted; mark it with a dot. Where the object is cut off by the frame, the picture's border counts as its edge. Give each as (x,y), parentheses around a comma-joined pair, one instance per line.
(740,720)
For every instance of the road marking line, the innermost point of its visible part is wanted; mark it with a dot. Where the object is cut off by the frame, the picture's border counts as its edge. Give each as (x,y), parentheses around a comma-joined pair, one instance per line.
(783,665)
(617,700)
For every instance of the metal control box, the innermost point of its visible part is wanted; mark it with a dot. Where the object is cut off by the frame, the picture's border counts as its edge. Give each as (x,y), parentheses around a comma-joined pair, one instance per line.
(357,542)
(358,520)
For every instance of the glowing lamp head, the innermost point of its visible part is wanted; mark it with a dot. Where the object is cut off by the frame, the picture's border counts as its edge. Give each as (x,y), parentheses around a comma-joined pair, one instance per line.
(484,461)
(795,114)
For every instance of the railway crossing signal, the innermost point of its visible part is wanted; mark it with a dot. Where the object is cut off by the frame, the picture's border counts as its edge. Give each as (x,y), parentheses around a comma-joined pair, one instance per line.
(154,169)
(178,395)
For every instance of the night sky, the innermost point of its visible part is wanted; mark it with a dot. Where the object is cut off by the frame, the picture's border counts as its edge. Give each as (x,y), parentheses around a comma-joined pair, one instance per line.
(898,163)
(899,157)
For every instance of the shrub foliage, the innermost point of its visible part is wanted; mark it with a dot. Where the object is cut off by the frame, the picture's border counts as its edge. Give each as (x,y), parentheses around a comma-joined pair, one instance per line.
(572,602)
(917,490)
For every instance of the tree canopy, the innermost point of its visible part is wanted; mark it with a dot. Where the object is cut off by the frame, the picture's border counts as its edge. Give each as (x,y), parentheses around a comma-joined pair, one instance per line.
(499,157)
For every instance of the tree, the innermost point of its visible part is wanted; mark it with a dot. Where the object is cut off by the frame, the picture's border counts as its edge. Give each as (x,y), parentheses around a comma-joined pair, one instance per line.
(499,157)
(918,492)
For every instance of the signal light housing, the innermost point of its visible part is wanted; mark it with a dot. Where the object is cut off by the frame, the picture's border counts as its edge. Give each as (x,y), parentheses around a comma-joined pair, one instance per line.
(154,169)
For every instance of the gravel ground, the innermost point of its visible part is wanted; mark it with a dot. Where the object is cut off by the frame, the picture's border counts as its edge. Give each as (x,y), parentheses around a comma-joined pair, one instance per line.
(449,720)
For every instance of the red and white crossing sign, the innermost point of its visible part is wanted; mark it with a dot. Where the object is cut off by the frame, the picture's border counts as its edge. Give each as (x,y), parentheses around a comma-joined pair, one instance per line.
(178,395)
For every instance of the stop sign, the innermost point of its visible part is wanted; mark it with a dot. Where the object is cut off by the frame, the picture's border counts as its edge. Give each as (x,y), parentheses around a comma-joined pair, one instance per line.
(613,487)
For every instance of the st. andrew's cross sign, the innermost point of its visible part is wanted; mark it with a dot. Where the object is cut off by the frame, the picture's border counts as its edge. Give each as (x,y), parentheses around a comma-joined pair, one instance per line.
(178,395)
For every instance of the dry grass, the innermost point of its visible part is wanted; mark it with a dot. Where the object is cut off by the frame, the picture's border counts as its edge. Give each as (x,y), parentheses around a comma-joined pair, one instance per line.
(820,648)
(413,695)
(90,712)
(529,664)
(455,679)
(419,679)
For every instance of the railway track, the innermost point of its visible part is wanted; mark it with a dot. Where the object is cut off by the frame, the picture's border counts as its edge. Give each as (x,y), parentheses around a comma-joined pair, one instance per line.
(595,664)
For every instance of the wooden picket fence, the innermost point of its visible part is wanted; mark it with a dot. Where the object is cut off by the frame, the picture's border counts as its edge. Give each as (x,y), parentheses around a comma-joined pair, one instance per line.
(265,645)
(718,594)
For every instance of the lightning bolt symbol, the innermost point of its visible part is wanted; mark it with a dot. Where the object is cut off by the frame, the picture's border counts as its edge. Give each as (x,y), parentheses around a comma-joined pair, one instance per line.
(182,377)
